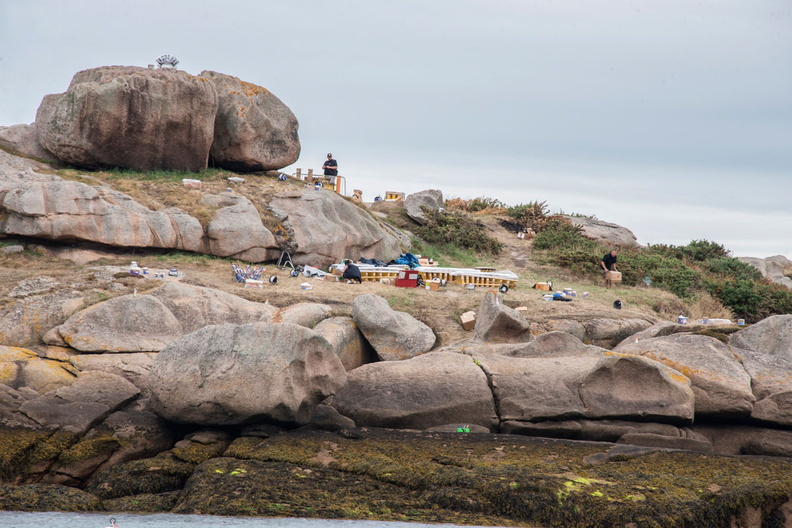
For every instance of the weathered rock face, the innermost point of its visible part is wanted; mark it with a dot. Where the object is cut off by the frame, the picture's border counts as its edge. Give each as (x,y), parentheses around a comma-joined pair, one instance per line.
(22,368)
(125,116)
(557,344)
(394,335)
(348,343)
(497,323)
(236,231)
(766,352)
(72,211)
(234,374)
(414,204)
(611,386)
(607,333)
(605,232)
(304,314)
(719,381)
(253,129)
(148,323)
(24,322)
(83,404)
(321,228)
(426,391)
(772,268)
(23,139)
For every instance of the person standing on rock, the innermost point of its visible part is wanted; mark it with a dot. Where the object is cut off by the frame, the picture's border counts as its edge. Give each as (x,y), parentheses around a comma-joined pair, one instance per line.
(330,166)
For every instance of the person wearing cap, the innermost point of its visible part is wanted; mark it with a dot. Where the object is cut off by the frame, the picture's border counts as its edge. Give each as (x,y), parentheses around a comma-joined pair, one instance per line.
(330,166)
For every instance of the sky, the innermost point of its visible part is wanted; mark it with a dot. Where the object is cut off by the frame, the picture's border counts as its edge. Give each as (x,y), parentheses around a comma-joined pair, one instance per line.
(672,118)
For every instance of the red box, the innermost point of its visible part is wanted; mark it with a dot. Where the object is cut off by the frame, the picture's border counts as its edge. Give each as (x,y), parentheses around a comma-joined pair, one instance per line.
(407,279)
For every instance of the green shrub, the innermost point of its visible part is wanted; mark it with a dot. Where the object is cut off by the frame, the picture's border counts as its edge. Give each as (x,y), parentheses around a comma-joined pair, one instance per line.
(666,272)
(751,300)
(482,202)
(454,228)
(560,233)
(702,250)
(732,268)
(532,215)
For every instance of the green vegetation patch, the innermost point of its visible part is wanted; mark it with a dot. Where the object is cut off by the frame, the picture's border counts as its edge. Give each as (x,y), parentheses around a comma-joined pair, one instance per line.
(496,477)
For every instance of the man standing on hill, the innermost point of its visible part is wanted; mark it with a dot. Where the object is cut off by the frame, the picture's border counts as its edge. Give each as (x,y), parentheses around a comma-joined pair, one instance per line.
(330,166)
(608,262)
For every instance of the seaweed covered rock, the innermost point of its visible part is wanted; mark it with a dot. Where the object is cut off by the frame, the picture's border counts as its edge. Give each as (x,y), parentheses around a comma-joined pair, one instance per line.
(235,374)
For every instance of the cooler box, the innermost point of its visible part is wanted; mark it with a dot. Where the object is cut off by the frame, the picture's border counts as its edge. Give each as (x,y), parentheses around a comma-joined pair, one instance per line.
(407,279)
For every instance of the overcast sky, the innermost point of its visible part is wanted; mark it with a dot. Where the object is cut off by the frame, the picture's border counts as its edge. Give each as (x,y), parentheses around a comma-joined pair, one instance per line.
(672,118)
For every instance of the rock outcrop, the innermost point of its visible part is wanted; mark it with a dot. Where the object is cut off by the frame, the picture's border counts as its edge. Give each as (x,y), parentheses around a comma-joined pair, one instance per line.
(23,140)
(125,116)
(253,129)
(415,203)
(426,391)
(605,232)
(236,374)
(320,228)
(775,269)
(149,322)
(394,335)
(497,323)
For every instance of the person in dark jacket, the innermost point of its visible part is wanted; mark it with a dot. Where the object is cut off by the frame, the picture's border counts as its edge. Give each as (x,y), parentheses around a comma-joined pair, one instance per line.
(352,273)
(608,262)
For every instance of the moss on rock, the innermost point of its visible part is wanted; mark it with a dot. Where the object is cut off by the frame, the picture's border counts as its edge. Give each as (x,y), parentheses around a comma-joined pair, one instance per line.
(47,497)
(148,476)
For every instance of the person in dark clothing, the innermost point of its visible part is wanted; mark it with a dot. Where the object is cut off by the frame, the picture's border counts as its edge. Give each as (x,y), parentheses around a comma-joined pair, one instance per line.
(330,166)
(352,273)
(608,262)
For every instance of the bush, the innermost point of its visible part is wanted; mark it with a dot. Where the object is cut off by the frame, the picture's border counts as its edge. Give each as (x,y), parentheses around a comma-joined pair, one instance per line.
(560,233)
(703,250)
(751,300)
(732,268)
(666,272)
(459,229)
(531,215)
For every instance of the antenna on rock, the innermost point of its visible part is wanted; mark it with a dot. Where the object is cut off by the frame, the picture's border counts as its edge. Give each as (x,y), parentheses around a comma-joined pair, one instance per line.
(167,62)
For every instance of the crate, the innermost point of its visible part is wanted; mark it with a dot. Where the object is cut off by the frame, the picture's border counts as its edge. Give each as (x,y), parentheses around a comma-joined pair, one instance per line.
(407,279)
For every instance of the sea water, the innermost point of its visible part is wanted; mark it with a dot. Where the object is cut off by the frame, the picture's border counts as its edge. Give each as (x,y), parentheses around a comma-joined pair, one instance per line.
(169,520)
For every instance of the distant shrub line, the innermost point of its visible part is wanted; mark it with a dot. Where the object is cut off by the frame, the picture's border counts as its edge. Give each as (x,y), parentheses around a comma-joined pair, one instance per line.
(698,268)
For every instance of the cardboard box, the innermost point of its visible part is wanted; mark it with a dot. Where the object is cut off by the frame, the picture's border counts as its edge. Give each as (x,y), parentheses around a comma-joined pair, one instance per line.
(433,285)
(468,320)
(613,276)
(544,286)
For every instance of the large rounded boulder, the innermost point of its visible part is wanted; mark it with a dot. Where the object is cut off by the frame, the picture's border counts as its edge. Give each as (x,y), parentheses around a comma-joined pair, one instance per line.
(254,130)
(394,335)
(126,116)
(719,381)
(236,374)
(320,228)
(427,391)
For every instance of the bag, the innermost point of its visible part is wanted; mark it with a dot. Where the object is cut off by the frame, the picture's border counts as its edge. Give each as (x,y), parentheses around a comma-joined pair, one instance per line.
(617,304)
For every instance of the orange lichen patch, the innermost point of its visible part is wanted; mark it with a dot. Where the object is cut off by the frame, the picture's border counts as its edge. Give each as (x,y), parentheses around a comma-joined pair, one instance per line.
(251,89)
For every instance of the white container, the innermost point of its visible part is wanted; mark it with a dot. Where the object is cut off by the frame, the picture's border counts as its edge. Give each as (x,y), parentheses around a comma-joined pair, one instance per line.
(682,319)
